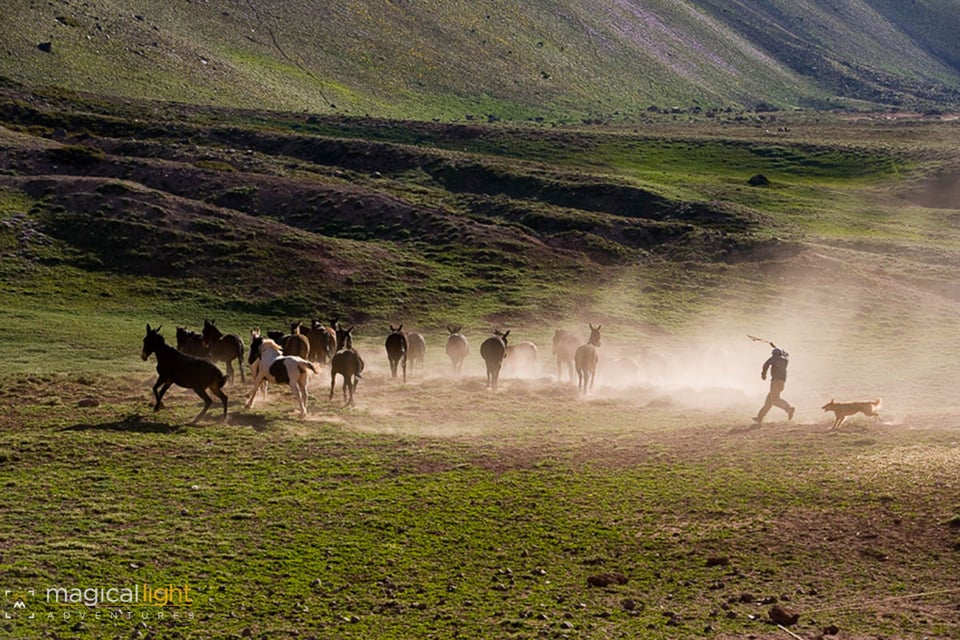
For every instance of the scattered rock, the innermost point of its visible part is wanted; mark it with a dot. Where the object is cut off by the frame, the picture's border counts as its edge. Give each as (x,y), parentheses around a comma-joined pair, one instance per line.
(758,180)
(88,402)
(718,561)
(831,630)
(747,598)
(782,616)
(46,47)
(606,579)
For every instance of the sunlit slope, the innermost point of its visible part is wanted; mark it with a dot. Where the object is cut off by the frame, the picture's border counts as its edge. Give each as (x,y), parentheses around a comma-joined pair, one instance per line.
(458,59)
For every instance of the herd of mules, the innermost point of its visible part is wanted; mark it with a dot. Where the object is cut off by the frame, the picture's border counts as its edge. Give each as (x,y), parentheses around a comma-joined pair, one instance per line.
(289,358)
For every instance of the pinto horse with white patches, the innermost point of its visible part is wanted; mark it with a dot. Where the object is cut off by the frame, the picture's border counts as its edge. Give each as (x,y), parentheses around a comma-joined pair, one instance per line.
(273,366)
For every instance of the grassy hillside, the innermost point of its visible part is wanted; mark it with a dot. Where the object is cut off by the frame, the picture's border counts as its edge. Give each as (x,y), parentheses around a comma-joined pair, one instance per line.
(558,62)
(135,211)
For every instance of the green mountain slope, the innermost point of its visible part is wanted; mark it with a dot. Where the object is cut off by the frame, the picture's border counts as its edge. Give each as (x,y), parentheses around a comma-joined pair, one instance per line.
(554,60)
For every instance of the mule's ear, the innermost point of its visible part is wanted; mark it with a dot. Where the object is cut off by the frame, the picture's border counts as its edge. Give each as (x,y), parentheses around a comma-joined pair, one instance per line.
(507,333)
(148,327)
(399,328)
(599,326)
(157,330)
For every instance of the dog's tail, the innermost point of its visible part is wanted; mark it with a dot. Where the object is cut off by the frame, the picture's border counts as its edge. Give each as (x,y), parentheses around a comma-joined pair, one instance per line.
(877,403)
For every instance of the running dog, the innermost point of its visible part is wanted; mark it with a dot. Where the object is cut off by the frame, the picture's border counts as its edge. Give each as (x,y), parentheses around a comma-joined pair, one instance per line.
(843,410)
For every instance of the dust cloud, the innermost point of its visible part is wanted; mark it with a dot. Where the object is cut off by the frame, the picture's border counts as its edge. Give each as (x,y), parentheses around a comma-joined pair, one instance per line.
(854,326)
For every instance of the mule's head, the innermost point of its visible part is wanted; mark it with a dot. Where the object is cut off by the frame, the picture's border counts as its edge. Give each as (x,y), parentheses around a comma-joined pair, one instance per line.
(151,342)
(344,337)
(594,335)
(210,332)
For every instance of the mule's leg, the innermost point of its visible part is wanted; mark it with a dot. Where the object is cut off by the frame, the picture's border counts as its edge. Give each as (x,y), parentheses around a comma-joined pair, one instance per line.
(207,401)
(159,394)
(260,379)
(230,371)
(333,383)
(240,366)
(302,383)
(218,391)
(295,389)
(403,362)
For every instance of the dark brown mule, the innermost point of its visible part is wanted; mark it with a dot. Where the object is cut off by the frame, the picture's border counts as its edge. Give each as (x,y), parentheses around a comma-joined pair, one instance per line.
(191,343)
(416,350)
(396,345)
(587,357)
(347,363)
(493,350)
(223,347)
(293,343)
(296,344)
(457,349)
(174,367)
(323,342)
(565,348)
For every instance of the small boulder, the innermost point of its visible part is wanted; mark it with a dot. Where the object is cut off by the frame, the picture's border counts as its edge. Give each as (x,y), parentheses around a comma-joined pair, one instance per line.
(758,180)
(46,47)
(782,616)
(606,579)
